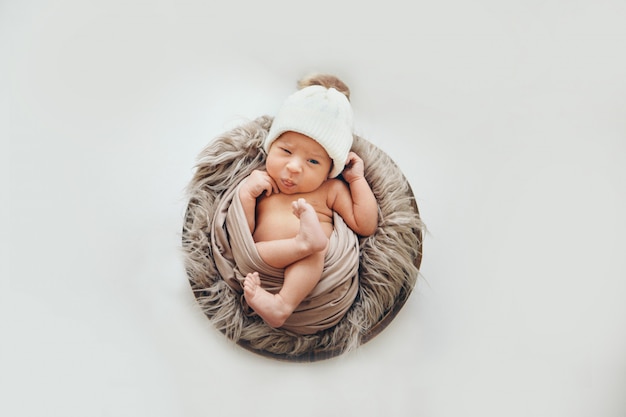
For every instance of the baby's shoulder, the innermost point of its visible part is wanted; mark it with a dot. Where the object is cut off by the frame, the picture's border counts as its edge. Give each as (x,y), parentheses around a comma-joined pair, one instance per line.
(334,185)
(334,188)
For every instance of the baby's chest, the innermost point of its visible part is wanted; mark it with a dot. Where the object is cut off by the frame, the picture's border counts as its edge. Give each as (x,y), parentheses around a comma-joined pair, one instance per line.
(281,204)
(275,219)
(274,205)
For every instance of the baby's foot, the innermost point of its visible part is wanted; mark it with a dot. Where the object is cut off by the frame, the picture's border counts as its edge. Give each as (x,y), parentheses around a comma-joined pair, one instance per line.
(311,233)
(269,306)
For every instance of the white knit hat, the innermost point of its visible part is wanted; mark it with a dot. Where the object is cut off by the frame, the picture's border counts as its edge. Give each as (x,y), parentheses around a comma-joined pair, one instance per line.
(323,114)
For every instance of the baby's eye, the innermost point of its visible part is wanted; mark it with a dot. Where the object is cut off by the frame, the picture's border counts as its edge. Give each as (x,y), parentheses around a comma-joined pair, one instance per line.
(286,150)
(314,161)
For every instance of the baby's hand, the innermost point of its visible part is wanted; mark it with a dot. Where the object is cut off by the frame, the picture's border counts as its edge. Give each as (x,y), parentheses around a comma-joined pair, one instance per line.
(257,183)
(355,168)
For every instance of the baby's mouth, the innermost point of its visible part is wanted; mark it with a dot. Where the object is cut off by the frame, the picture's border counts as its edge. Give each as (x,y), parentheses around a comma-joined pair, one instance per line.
(288,183)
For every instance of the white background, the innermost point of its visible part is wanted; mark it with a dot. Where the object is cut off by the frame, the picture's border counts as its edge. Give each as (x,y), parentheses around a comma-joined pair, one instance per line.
(507,117)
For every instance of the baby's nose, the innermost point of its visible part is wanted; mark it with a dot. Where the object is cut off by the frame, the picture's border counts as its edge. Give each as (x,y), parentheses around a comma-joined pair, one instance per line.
(294,165)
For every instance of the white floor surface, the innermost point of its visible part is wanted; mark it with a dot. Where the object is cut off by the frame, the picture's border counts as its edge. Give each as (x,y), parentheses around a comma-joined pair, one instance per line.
(508,119)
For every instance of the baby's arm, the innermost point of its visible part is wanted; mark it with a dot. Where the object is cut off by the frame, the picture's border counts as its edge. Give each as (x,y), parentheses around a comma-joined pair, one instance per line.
(358,206)
(252,187)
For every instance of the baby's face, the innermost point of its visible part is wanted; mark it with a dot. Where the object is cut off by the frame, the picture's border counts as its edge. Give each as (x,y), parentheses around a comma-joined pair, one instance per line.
(297,163)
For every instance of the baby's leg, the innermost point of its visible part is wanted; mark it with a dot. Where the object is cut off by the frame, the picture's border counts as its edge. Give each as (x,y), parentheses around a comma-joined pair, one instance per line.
(300,279)
(310,239)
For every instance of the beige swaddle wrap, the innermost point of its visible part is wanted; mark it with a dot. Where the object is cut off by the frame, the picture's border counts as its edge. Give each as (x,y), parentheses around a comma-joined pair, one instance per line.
(235,256)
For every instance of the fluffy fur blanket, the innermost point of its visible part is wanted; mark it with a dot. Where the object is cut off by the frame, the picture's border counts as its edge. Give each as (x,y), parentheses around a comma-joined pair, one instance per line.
(388,266)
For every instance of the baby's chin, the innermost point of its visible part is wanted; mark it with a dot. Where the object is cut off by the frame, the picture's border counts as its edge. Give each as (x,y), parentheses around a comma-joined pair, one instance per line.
(293,190)
(289,191)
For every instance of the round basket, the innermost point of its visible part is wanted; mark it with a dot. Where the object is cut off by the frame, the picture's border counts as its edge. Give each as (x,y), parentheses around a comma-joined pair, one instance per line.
(388,266)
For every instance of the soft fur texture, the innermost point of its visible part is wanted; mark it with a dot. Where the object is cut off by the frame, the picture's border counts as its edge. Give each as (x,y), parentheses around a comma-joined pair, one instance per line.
(389,260)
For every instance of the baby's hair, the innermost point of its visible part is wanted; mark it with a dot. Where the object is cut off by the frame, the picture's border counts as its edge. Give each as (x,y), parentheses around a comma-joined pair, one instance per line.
(325,80)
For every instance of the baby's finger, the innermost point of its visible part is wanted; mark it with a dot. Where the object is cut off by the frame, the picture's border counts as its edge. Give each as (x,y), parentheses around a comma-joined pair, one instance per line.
(273,185)
(354,157)
(350,159)
(268,189)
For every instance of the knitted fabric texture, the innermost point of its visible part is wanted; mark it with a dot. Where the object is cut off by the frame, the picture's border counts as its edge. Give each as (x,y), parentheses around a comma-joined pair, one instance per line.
(323,114)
